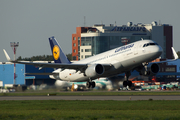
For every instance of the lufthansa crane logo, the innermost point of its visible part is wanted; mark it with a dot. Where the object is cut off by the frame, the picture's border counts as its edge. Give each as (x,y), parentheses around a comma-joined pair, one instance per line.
(56,52)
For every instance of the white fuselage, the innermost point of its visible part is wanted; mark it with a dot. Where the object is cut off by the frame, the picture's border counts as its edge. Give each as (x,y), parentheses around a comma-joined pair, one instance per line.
(122,59)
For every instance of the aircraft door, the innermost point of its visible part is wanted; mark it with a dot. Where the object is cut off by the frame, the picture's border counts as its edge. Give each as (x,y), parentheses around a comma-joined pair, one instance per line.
(136,49)
(144,48)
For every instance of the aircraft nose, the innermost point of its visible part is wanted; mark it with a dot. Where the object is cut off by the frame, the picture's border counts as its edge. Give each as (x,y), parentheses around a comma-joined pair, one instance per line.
(160,49)
(157,50)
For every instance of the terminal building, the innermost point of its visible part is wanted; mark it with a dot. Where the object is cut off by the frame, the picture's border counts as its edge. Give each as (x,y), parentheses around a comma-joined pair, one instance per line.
(89,41)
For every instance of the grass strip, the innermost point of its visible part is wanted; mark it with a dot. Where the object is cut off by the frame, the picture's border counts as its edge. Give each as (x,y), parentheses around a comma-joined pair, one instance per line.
(89,110)
(89,93)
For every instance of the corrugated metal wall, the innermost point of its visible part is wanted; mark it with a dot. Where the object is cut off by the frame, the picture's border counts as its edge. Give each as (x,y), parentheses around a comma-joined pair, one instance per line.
(7,74)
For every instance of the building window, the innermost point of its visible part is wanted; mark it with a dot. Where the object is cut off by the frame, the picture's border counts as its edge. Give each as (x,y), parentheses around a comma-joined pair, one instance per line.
(74,38)
(87,50)
(74,50)
(170,69)
(74,58)
(86,56)
(78,41)
(82,56)
(81,50)
(74,44)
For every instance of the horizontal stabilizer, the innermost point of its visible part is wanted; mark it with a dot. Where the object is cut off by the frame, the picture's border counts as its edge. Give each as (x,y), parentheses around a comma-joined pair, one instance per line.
(41,73)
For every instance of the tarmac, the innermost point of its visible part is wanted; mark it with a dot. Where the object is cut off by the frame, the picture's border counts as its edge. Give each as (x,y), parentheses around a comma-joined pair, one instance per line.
(118,98)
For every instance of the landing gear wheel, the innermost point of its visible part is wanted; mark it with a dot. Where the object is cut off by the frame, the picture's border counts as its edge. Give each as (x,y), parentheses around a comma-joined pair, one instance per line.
(93,84)
(88,84)
(129,83)
(125,83)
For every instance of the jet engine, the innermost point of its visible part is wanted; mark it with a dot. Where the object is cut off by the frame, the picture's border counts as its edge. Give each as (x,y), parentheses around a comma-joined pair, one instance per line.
(94,70)
(149,70)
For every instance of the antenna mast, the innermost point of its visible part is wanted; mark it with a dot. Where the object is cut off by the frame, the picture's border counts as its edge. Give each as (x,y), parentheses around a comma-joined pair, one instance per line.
(84,21)
(14,47)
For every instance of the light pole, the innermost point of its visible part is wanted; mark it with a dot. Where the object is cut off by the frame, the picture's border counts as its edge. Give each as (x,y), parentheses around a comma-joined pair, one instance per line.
(14,47)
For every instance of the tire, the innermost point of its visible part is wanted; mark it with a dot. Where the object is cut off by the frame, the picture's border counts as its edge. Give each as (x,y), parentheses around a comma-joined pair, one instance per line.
(129,83)
(93,84)
(88,84)
(125,83)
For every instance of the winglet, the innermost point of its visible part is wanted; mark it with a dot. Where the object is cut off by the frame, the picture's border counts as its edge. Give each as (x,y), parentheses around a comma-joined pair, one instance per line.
(174,53)
(7,56)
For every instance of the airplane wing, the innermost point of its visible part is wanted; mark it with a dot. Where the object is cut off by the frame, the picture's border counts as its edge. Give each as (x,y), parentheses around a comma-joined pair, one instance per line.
(55,65)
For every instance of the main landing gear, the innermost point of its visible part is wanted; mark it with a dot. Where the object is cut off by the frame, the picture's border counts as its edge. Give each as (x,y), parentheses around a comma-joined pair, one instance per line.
(127,82)
(90,84)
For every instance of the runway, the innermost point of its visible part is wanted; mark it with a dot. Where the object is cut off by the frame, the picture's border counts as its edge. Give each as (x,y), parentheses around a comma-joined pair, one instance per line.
(118,98)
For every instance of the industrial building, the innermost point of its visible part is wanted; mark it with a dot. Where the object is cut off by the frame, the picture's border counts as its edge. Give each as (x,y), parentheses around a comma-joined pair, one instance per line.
(88,41)
(7,75)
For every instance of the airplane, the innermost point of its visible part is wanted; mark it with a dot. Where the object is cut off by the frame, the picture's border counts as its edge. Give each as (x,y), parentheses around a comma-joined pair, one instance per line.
(134,56)
(101,83)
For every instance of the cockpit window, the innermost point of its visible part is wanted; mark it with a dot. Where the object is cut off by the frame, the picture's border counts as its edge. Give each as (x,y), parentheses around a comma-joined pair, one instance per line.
(149,44)
(152,43)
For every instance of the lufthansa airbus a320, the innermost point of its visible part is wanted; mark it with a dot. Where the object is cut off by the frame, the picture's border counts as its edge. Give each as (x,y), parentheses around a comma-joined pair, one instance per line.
(124,59)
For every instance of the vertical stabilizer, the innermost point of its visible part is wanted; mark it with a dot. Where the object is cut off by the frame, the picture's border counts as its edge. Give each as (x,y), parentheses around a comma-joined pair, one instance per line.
(57,53)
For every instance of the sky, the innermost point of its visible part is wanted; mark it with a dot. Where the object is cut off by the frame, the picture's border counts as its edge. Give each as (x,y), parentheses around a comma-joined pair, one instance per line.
(32,22)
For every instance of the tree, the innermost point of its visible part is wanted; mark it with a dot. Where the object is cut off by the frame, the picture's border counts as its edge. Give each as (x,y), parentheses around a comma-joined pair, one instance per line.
(19,58)
(69,56)
(42,58)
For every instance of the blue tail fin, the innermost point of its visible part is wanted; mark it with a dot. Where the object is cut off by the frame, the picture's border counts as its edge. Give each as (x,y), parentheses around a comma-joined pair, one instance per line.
(58,55)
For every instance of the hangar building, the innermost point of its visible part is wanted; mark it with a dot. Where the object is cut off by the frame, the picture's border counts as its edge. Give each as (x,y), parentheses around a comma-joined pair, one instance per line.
(7,75)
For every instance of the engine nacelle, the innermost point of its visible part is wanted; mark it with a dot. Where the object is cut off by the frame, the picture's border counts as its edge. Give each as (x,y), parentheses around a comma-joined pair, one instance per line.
(55,76)
(149,70)
(94,70)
